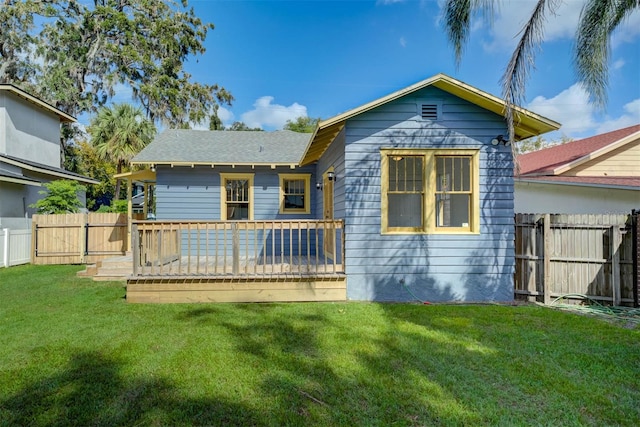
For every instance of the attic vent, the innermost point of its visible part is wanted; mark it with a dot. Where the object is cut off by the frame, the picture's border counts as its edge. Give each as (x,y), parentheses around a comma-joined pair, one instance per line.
(429,111)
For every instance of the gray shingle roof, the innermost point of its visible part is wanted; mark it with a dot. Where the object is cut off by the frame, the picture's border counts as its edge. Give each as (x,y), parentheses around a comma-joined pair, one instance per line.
(225,147)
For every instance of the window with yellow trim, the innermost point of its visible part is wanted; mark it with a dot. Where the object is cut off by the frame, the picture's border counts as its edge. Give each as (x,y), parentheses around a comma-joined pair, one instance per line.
(295,193)
(429,191)
(236,196)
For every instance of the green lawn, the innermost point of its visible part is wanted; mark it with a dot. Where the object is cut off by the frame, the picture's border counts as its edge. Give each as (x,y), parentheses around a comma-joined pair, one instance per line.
(73,352)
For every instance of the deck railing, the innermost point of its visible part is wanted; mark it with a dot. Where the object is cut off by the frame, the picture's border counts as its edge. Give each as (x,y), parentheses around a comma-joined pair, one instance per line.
(237,248)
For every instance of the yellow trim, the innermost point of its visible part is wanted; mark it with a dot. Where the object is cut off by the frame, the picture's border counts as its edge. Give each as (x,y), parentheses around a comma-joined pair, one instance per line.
(253,165)
(307,192)
(141,175)
(429,177)
(527,123)
(223,192)
(64,117)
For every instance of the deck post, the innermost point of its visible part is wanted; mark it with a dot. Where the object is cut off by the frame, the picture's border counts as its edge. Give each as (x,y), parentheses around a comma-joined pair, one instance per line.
(135,247)
(235,247)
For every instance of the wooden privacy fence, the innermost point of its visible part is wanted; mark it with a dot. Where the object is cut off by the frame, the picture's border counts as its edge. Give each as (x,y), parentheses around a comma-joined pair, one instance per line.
(78,238)
(255,248)
(575,256)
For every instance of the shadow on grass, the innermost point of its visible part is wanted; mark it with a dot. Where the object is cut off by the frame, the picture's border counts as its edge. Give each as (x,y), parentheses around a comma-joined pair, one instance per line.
(93,390)
(319,369)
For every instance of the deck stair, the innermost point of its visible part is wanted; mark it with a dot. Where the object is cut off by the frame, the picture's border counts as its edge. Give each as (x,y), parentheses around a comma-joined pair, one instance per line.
(110,269)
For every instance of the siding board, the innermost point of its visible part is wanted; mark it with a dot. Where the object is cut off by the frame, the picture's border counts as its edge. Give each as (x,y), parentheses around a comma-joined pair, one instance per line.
(440,267)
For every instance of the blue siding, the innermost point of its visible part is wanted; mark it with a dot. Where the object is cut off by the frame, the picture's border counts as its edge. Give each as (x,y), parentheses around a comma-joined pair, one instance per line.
(194,193)
(185,193)
(455,267)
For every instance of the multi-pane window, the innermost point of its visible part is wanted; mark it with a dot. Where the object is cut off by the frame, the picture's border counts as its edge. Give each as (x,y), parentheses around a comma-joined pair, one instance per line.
(406,191)
(453,191)
(429,191)
(237,196)
(294,193)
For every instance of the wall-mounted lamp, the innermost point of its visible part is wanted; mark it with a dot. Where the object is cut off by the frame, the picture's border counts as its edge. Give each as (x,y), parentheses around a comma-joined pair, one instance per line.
(318,186)
(500,139)
(153,168)
(331,176)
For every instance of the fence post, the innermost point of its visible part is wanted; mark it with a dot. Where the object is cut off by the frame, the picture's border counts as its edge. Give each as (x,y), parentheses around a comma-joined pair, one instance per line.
(635,233)
(5,260)
(546,235)
(616,238)
(82,235)
(235,247)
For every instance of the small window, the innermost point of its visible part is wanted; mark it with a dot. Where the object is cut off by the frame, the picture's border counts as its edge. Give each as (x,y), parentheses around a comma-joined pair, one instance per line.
(236,196)
(295,193)
(429,191)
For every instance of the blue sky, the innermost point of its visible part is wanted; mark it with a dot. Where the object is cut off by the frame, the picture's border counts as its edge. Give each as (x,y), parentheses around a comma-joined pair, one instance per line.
(283,59)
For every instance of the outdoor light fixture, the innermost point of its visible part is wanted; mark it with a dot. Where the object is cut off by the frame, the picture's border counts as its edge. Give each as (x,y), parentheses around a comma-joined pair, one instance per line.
(331,176)
(500,139)
(153,168)
(318,186)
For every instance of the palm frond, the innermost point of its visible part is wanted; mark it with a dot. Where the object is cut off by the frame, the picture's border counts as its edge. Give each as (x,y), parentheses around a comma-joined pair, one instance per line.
(517,72)
(598,19)
(457,18)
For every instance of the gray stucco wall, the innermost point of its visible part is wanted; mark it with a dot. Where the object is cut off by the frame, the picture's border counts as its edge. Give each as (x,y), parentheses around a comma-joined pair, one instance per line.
(28,132)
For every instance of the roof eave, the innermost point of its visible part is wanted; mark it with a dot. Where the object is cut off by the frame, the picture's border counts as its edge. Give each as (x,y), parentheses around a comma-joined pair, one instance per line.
(64,117)
(272,165)
(597,153)
(527,124)
(578,184)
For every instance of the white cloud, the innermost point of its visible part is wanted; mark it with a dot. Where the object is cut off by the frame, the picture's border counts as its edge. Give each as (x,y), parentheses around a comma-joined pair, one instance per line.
(384,2)
(630,117)
(403,42)
(224,114)
(511,16)
(628,30)
(618,64)
(570,107)
(268,115)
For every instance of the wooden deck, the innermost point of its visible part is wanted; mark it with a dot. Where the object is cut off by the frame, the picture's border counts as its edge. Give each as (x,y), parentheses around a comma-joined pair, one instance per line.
(234,262)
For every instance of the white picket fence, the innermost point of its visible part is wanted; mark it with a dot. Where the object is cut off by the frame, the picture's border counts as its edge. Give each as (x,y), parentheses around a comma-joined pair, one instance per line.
(15,242)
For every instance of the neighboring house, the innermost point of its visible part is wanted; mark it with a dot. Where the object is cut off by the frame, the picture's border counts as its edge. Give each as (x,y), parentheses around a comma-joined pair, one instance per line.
(600,174)
(29,150)
(426,198)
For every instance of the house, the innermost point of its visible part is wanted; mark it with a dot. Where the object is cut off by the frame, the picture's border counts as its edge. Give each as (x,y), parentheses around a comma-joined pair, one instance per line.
(600,174)
(400,199)
(29,150)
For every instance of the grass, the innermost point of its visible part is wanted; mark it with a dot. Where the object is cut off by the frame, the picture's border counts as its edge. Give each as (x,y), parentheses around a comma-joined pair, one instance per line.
(73,352)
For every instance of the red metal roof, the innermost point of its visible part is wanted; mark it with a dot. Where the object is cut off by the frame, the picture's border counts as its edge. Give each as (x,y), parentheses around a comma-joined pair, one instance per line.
(546,160)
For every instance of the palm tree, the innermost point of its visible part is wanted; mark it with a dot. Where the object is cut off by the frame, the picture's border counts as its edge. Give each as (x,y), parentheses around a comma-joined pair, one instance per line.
(598,19)
(119,132)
